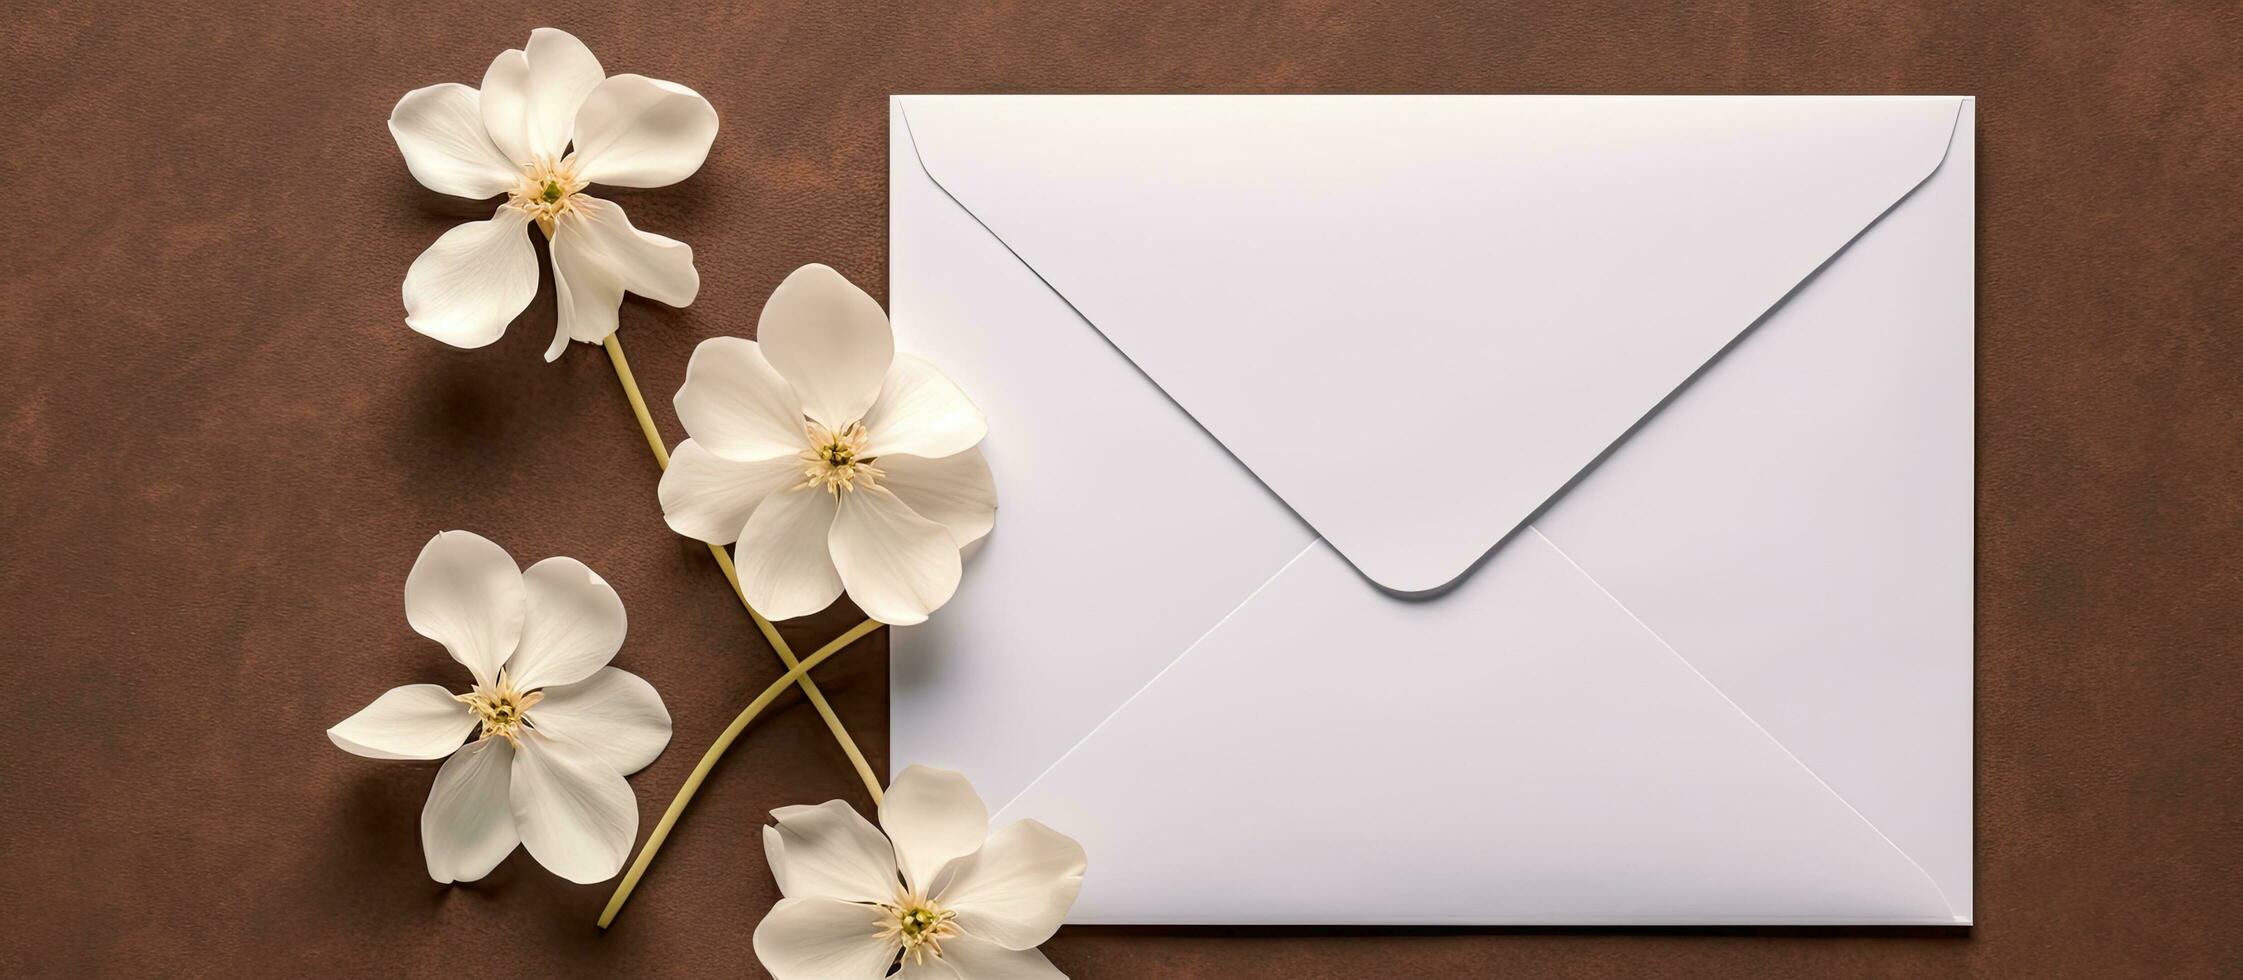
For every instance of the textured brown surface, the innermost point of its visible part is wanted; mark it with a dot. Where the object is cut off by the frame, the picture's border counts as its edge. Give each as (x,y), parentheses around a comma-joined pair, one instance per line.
(221,450)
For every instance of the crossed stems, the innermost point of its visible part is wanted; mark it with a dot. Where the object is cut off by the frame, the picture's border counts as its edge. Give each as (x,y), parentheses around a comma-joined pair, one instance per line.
(798,671)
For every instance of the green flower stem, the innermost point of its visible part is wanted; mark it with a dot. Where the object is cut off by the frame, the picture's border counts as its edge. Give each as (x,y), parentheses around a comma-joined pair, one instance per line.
(716,751)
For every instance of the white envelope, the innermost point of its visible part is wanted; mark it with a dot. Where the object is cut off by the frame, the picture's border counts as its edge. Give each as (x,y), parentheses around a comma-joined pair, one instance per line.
(1475,510)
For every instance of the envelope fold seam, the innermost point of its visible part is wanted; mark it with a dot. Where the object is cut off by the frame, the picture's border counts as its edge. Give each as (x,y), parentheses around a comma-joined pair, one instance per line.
(1062,758)
(919,156)
(1749,719)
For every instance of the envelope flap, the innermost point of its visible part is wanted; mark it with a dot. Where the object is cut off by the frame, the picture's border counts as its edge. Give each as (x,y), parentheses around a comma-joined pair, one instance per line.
(1416,319)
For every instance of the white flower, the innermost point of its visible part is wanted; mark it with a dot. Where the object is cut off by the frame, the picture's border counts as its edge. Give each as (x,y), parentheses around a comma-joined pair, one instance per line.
(835,462)
(948,898)
(556,728)
(513,137)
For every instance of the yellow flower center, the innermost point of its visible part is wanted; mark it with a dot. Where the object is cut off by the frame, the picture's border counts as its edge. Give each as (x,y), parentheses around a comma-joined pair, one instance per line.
(836,461)
(502,709)
(547,190)
(919,924)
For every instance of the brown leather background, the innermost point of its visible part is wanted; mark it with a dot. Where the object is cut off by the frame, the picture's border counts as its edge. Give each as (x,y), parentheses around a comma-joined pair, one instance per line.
(220,450)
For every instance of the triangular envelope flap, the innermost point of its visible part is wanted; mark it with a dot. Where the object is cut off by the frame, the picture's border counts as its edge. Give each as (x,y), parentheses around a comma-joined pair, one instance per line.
(1417,318)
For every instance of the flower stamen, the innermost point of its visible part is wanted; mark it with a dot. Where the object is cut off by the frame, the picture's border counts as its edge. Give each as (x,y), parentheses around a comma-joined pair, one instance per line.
(547,190)
(836,461)
(919,924)
(503,710)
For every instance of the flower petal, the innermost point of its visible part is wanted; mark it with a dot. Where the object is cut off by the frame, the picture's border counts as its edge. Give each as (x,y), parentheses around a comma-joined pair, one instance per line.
(573,627)
(597,255)
(823,939)
(615,713)
(467,828)
(466,593)
(708,497)
(736,405)
(563,73)
(830,341)
(920,412)
(505,98)
(933,816)
(775,856)
(955,491)
(831,852)
(1018,887)
(648,264)
(440,131)
(530,98)
(416,721)
(927,968)
(786,569)
(586,293)
(574,811)
(635,131)
(969,957)
(896,565)
(473,281)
